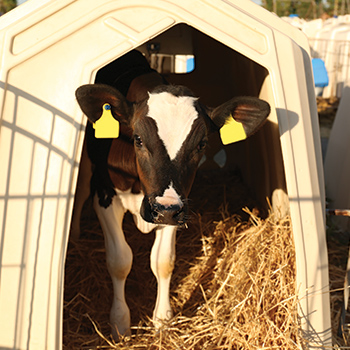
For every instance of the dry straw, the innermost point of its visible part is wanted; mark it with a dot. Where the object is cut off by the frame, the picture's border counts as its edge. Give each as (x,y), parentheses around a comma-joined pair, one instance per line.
(233,288)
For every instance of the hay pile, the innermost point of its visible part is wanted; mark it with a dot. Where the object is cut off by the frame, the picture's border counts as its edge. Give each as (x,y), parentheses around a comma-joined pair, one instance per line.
(233,286)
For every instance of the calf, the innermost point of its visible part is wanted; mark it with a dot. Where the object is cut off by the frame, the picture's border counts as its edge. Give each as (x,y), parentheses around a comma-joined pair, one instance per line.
(149,169)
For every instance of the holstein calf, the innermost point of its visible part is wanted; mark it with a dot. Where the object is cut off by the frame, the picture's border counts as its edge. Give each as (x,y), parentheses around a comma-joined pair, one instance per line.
(150,167)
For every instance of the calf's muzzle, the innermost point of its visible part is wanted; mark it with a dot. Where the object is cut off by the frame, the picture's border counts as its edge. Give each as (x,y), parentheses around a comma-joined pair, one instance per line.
(157,213)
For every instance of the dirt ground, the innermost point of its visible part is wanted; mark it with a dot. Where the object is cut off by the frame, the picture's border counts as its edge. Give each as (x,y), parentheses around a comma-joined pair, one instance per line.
(327,109)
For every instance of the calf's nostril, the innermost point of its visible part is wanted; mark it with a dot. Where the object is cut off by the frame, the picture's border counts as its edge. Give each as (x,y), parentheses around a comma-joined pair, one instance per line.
(174,208)
(179,215)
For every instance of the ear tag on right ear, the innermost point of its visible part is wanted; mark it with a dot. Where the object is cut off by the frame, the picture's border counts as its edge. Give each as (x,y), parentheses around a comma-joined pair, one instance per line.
(106,127)
(232,131)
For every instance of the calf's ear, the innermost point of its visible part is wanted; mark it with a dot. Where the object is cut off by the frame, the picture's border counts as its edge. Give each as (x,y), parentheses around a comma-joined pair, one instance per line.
(239,118)
(92,97)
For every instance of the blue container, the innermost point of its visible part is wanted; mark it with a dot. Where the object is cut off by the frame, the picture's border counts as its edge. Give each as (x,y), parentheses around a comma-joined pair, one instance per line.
(320,73)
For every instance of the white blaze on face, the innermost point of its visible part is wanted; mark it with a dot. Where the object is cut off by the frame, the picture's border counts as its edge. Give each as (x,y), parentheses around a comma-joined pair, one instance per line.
(170,197)
(174,116)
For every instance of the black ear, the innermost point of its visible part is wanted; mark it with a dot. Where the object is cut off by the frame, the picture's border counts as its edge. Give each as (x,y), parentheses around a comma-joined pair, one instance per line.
(251,112)
(92,97)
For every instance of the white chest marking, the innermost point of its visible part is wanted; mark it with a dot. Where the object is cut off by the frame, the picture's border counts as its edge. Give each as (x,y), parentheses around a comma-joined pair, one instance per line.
(174,117)
(132,202)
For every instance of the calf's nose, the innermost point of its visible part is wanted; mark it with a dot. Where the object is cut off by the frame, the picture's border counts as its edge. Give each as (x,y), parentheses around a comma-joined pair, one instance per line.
(168,214)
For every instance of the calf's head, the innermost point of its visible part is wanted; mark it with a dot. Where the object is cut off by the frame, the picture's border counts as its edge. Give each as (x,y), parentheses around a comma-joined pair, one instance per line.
(170,130)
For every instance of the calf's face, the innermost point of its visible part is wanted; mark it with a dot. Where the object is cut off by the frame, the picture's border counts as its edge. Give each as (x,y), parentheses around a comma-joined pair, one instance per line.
(170,136)
(170,130)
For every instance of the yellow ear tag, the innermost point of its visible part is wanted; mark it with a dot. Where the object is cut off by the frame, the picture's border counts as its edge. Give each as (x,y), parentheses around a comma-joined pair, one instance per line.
(232,131)
(106,127)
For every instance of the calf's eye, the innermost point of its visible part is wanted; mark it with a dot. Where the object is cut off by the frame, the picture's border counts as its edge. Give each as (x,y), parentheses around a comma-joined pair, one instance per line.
(137,141)
(202,145)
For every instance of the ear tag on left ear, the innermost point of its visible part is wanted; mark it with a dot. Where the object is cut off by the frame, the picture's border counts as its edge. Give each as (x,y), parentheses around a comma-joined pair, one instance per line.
(232,131)
(106,127)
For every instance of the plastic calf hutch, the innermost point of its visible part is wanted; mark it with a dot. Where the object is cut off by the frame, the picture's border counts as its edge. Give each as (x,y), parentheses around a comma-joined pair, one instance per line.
(49,48)
(331,43)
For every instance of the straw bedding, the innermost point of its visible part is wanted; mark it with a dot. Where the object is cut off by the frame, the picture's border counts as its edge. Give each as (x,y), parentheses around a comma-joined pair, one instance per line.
(233,286)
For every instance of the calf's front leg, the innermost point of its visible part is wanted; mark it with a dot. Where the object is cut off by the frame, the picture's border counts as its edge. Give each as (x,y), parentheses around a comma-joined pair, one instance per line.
(162,265)
(119,261)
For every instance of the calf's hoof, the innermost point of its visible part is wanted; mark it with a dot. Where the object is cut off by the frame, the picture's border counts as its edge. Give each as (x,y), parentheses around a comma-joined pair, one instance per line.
(120,323)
